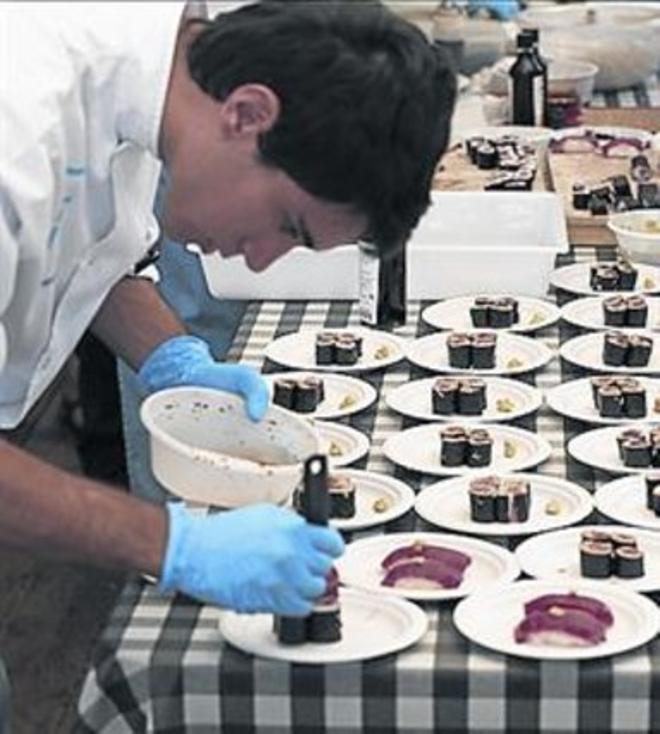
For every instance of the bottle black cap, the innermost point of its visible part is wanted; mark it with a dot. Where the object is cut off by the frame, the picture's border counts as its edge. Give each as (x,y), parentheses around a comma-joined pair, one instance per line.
(533,33)
(524,40)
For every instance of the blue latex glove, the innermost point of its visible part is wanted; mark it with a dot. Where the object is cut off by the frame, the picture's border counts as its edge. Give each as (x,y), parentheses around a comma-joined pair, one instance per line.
(187,360)
(260,558)
(500,9)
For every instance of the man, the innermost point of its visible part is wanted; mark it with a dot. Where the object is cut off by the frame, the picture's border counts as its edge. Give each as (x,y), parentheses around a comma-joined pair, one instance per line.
(277,126)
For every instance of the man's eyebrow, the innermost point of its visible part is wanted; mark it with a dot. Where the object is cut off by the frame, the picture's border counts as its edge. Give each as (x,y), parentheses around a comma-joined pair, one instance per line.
(307,239)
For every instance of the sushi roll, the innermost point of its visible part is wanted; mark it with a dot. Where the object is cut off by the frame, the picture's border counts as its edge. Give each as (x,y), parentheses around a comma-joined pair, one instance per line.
(610,401)
(471,397)
(480,312)
(284,392)
(459,350)
(350,336)
(627,276)
(324,622)
(604,278)
(629,433)
(581,196)
(519,499)
(453,446)
(639,351)
(598,382)
(483,351)
(479,450)
(596,559)
(486,157)
(482,498)
(628,562)
(615,311)
(501,313)
(634,399)
(471,145)
(290,630)
(342,496)
(640,169)
(652,482)
(621,186)
(636,452)
(444,396)
(325,348)
(615,349)
(619,540)
(307,394)
(638,311)
(346,351)
(648,195)
(598,205)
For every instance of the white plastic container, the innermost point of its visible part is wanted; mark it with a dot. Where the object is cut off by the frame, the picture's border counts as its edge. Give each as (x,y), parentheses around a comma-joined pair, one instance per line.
(467,242)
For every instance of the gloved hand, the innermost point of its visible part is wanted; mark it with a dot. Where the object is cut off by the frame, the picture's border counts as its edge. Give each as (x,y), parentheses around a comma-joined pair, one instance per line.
(500,9)
(187,360)
(260,558)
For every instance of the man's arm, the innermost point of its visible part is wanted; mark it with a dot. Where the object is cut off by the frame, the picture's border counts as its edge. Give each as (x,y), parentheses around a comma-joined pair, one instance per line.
(134,320)
(49,511)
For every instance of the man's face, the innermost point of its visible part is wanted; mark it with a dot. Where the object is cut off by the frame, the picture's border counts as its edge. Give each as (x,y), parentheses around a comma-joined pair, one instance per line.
(235,205)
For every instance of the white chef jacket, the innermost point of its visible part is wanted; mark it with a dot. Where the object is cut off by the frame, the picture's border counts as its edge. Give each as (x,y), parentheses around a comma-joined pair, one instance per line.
(82,88)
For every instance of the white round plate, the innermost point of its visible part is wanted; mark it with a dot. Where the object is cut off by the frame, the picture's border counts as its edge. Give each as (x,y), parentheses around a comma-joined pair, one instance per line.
(369,488)
(598,448)
(418,449)
(413,399)
(342,444)
(371,626)
(430,352)
(447,505)
(489,618)
(343,395)
(379,349)
(587,351)
(556,556)
(624,500)
(573,399)
(587,313)
(360,565)
(575,279)
(454,313)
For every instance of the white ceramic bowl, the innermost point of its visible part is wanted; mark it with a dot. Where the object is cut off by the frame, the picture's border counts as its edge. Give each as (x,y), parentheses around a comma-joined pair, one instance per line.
(570,76)
(634,234)
(205,449)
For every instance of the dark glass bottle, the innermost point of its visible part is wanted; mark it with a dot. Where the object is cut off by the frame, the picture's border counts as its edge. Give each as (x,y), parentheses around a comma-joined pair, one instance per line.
(526,85)
(382,283)
(533,33)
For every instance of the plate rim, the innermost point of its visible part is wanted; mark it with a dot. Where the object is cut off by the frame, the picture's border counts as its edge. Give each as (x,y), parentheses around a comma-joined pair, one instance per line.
(634,585)
(544,448)
(418,628)
(466,608)
(589,291)
(515,329)
(363,441)
(545,354)
(399,343)
(506,556)
(599,298)
(369,389)
(534,392)
(407,492)
(487,529)
(550,400)
(606,488)
(591,336)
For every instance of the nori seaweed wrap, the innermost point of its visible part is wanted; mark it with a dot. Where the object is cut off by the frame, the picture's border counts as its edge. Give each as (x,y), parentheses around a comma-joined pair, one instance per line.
(471,398)
(479,450)
(346,351)
(615,311)
(501,314)
(307,394)
(444,392)
(284,391)
(596,559)
(483,350)
(627,276)
(638,311)
(610,401)
(615,349)
(459,350)
(636,452)
(480,312)
(342,496)
(639,351)
(634,399)
(325,348)
(628,562)
(453,446)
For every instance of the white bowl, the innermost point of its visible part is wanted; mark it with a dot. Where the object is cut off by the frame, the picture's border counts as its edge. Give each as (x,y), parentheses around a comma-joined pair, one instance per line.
(205,449)
(570,76)
(632,236)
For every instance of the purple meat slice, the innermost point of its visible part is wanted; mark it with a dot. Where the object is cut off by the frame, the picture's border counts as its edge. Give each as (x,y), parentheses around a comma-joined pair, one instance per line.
(595,608)
(561,627)
(423,574)
(455,559)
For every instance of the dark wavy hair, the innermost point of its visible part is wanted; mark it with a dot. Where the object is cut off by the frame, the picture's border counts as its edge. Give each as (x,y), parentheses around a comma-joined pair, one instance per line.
(366,101)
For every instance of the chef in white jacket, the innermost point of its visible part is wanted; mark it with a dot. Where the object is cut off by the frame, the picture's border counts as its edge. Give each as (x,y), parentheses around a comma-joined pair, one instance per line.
(94,99)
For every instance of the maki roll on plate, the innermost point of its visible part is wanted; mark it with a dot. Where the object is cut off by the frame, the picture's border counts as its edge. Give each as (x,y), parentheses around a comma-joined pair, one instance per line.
(639,351)
(453,446)
(284,391)
(596,559)
(483,350)
(342,496)
(459,350)
(482,498)
(471,397)
(615,311)
(628,562)
(444,396)
(479,449)
(325,348)
(636,452)
(480,312)
(634,399)
(308,394)
(638,311)
(615,349)
(610,401)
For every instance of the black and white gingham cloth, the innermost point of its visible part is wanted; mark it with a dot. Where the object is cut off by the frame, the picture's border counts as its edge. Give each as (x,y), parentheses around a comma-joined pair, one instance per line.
(161,665)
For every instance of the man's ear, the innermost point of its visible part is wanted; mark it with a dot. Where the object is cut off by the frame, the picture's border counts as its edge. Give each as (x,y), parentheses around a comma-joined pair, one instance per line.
(249,110)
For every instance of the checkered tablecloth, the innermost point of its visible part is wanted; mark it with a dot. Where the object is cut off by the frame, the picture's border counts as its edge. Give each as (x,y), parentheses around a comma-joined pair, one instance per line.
(162,666)
(643,95)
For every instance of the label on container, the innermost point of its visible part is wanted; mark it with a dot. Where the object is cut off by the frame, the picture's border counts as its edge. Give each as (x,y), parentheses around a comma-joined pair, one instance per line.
(368,286)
